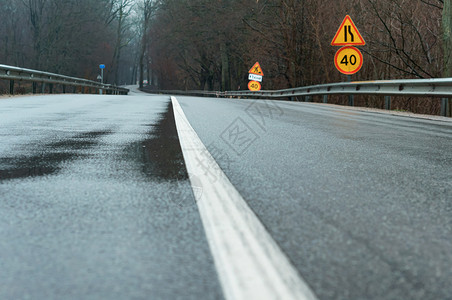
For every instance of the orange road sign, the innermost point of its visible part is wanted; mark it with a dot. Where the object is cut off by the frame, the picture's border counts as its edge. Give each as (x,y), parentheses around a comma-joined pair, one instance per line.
(256,69)
(348,34)
(348,60)
(254,86)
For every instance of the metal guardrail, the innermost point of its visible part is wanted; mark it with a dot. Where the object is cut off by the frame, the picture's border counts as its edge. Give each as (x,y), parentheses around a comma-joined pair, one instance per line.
(441,87)
(21,74)
(147,89)
(438,87)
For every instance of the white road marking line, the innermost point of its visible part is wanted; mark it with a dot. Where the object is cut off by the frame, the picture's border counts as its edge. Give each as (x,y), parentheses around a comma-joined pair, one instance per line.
(249,263)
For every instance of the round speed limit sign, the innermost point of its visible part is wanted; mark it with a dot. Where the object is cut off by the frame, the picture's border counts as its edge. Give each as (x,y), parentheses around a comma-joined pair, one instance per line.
(254,86)
(348,60)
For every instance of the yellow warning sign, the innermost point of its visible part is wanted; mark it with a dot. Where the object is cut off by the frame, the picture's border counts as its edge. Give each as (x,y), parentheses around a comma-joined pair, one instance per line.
(256,69)
(348,34)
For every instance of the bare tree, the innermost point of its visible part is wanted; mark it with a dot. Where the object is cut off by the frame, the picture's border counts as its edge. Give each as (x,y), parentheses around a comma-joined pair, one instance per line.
(121,12)
(447,44)
(36,17)
(147,8)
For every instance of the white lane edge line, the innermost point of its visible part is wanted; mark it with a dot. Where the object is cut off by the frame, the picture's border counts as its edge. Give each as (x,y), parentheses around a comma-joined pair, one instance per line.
(249,263)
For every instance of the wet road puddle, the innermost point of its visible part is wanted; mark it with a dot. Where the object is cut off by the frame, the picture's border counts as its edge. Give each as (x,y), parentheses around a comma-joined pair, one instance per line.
(50,158)
(81,141)
(159,157)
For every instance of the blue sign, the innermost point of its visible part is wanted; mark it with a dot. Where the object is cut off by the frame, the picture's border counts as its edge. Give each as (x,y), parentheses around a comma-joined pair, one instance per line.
(102,66)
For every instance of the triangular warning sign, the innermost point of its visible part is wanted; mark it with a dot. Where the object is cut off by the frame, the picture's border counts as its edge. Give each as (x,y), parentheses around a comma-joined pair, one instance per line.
(348,34)
(256,69)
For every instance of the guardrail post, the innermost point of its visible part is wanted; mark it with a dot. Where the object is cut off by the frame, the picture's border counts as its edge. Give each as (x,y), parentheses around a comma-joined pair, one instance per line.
(11,87)
(388,102)
(351,98)
(325,98)
(74,89)
(444,107)
(33,87)
(43,88)
(50,88)
(64,89)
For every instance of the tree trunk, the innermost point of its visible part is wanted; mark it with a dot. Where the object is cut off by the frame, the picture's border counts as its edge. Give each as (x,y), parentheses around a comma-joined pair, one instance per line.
(133,79)
(36,9)
(147,12)
(148,71)
(447,44)
(141,63)
(117,53)
(225,84)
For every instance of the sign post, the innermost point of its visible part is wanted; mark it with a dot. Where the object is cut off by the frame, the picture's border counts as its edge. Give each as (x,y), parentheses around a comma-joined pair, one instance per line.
(348,60)
(101,67)
(255,75)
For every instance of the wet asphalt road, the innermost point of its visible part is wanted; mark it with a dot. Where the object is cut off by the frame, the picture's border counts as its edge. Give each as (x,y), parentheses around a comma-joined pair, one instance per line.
(91,207)
(360,202)
(86,209)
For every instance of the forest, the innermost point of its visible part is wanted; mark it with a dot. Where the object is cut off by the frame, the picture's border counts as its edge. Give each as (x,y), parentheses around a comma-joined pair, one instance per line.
(72,37)
(211,44)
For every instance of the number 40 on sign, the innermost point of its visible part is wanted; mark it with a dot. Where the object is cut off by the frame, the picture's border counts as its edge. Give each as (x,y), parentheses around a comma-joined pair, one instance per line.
(254,86)
(348,60)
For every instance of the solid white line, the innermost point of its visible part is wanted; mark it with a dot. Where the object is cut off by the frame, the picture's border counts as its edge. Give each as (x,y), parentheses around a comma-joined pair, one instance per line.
(249,263)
